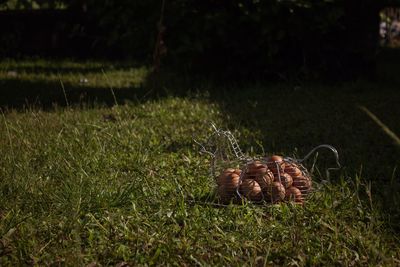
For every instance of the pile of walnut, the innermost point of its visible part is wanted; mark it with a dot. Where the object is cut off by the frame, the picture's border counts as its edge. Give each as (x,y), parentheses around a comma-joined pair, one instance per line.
(272,180)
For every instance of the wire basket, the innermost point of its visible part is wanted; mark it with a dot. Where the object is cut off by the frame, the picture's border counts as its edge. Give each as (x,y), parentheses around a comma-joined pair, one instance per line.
(272,179)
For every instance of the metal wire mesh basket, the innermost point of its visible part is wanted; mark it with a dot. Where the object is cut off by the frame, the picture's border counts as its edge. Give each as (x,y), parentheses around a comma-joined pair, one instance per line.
(271,179)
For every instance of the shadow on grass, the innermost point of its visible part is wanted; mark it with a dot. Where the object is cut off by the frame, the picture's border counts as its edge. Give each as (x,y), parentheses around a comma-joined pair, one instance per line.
(22,94)
(60,66)
(36,84)
(273,118)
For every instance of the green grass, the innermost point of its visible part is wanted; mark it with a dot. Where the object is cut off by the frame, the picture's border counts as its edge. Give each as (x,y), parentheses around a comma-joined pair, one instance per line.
(92,183)
(74,73)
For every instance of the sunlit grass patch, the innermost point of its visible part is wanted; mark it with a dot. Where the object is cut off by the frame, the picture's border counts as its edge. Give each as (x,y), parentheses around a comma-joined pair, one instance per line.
(90,74)
(108,185)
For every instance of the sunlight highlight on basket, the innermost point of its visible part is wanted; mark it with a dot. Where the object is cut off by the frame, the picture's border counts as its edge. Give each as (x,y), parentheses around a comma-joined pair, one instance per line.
(266,179)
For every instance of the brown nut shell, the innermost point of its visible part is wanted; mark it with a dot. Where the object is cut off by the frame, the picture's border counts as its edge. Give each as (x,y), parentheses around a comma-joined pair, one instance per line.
(303,183)
(276,164)
(230,181)
(265,180)
(237,171)
(224,175)
(284,179)
(276,192)
(256,168)
(251,190)
(293,170)
(294,194)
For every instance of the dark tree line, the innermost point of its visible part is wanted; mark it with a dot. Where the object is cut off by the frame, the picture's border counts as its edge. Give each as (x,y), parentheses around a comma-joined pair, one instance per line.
(233,38)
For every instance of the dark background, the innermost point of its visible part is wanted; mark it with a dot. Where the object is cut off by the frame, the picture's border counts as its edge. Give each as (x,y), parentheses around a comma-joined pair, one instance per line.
(235,39)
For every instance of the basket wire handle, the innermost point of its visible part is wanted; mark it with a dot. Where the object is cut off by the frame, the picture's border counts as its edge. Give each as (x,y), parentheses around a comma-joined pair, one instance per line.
(218,133)
(332,149)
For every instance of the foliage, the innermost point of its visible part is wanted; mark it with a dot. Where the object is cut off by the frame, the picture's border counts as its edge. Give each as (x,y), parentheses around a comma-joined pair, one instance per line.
(31,4)
(127,29)
(241,38)
(236,38)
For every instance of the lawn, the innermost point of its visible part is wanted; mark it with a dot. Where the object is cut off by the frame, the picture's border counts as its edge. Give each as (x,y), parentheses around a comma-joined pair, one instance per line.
(100,168)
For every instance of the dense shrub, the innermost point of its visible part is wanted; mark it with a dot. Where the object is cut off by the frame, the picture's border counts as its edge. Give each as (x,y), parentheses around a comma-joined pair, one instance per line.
(245,39)
(238,38)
